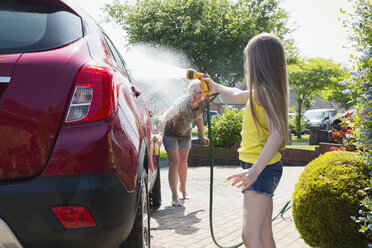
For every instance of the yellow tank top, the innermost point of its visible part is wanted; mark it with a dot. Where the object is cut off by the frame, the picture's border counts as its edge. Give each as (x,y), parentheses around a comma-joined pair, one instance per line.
(252,144)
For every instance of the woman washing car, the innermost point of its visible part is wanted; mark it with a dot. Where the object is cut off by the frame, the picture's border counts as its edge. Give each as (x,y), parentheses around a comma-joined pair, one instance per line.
(175,127)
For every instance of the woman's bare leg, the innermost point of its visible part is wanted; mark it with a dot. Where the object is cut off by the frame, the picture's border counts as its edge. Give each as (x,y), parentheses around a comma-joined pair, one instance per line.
(182,171)
(173,160)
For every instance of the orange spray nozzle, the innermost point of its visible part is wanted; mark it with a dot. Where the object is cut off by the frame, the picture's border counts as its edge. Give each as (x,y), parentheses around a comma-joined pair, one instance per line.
(206,88)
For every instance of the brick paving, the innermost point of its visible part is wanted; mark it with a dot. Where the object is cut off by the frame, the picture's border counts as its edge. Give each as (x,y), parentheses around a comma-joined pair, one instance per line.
(188,225)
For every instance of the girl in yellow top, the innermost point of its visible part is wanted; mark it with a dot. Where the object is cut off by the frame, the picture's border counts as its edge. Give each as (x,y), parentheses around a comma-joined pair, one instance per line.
(264,132)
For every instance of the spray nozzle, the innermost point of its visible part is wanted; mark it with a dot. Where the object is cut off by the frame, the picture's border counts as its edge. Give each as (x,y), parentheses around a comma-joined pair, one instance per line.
(206,88)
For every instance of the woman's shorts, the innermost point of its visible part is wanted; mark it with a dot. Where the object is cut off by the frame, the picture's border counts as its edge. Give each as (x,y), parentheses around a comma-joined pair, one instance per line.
(171,143)
(268,180)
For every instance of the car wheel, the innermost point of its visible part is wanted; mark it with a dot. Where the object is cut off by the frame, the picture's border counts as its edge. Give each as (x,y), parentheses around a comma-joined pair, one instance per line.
(155,195)
(140,234)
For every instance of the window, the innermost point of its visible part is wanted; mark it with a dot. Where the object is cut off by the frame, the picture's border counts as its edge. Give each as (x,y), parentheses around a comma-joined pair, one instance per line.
(26,27)
(120,62)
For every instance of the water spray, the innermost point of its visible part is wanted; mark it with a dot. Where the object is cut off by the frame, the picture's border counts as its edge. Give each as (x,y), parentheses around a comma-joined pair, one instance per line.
(206,88)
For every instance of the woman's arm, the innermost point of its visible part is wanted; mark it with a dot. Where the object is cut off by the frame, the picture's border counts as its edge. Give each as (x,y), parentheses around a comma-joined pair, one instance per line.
(271,147)
(167,115)
(199,125)
(232,93)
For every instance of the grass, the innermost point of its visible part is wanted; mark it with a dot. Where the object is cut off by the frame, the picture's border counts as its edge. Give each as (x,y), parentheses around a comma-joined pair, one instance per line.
(304,138)
(303,147)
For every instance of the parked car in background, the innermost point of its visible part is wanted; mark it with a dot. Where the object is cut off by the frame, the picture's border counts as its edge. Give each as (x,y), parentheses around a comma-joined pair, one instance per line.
(340,125)
(78,165)
(319,117)
(213,113)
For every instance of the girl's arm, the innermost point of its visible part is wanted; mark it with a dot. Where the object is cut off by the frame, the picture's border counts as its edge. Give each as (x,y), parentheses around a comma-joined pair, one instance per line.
(232,93)
(271,147)
(199,125)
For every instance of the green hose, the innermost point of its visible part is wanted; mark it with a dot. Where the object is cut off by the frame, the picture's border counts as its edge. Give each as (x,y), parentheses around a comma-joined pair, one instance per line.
(210,136)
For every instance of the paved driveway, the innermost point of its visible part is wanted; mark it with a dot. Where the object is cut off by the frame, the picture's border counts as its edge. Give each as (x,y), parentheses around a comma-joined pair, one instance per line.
(188,226)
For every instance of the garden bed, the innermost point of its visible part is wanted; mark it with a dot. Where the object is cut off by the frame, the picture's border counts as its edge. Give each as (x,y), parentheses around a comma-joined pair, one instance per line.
(200,155)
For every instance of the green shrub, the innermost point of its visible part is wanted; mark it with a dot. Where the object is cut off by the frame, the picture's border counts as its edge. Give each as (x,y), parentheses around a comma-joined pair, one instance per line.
(327,195)
(163,155)
(227,127)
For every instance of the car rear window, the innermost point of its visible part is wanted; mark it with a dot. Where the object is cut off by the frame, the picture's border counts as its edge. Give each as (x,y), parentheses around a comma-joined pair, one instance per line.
(26,27)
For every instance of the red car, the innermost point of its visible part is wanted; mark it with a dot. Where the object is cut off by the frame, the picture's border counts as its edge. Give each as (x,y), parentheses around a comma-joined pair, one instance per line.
(78,167)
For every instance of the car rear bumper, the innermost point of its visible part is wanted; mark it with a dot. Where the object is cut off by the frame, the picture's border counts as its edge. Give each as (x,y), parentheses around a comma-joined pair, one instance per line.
(7,237)
(26,209)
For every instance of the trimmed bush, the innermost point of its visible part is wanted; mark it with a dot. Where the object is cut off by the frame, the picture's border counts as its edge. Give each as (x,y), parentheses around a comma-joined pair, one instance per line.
(327,195)
(227,127)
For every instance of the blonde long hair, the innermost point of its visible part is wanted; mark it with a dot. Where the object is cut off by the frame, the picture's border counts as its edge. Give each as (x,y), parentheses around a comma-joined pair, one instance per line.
(266,73)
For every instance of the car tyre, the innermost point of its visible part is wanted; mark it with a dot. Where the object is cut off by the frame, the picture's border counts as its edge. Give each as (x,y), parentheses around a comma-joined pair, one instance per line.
(140,234)
(155,195)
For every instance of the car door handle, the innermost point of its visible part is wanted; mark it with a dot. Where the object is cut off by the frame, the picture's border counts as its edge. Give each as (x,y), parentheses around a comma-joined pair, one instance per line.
(135,92)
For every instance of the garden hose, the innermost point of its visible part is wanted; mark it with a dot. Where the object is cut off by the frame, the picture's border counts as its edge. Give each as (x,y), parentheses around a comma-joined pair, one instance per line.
(210,136)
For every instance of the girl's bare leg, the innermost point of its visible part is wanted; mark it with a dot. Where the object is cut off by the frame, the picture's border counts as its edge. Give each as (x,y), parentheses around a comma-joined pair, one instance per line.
(173,160)
(182,171)
(255,210)
(267,230)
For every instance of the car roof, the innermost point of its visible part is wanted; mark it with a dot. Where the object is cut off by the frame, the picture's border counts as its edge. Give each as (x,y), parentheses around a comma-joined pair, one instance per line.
(320,110)
(74,7)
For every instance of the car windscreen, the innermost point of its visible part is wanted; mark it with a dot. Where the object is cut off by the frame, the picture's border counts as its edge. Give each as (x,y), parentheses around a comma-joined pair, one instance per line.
(26,27)
(315,115)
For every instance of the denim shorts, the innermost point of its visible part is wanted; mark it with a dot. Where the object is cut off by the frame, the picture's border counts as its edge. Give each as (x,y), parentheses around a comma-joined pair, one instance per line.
(268,180)
(171,143)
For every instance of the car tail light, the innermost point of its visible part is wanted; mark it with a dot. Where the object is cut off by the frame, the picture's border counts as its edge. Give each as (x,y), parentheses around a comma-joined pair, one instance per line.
(95,95)
(74,217)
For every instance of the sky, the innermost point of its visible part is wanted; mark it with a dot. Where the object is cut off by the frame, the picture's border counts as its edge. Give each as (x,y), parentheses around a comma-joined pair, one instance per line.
(319,32)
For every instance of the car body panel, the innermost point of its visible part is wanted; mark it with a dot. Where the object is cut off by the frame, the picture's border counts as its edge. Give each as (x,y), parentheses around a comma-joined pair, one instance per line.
(112,208)
(35,106)
(45,162)
(7,63)
(100,148)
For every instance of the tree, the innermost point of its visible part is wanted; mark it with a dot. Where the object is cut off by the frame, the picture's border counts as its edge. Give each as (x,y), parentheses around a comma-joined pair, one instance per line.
(309,77)
(212,33)
(336,92)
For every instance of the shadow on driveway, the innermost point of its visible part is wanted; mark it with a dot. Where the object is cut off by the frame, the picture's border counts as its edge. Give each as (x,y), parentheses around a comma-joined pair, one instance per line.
(174,218)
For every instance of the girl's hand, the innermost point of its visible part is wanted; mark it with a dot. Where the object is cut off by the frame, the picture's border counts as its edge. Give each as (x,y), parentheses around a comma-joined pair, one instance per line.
(245,179)
(211,83)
